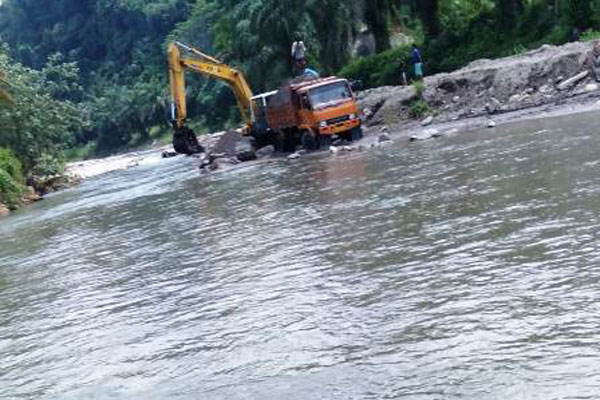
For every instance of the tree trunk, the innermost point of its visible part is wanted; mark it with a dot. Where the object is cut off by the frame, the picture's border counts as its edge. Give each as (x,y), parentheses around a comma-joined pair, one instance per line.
(376,17)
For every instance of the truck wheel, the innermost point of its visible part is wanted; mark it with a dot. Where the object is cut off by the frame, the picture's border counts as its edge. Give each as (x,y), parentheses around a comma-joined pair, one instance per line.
(356,134)
(308,141)
(285,142)
(324,142)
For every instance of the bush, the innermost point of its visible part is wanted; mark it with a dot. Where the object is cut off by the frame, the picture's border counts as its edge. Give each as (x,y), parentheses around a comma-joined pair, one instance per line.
(11,187)
(11,164)
(49,165)
(419,109)
(380,69)
(590,34)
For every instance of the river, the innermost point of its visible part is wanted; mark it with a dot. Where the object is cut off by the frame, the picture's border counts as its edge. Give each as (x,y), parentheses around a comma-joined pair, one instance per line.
(465,267)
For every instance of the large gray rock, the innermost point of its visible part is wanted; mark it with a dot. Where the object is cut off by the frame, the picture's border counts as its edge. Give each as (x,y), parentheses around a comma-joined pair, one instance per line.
(572,81)
(266,151)
(427,121)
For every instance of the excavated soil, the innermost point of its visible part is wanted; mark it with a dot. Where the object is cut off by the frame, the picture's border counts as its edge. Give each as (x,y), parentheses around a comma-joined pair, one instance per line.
(547,76)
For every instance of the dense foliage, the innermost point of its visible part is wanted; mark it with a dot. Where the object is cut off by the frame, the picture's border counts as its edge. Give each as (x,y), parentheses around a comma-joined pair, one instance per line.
(92,72)
(38,121)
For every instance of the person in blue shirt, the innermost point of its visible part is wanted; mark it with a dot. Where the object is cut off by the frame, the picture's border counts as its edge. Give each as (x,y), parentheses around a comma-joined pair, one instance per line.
(417,62)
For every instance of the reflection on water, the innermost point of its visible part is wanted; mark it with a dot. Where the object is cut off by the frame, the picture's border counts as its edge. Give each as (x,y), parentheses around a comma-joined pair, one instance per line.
(465,267)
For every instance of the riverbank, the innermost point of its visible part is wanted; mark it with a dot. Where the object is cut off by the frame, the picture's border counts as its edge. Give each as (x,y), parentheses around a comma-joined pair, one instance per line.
(547,82)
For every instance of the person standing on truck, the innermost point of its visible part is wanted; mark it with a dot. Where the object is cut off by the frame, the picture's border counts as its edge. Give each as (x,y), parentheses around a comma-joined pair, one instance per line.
(298,55)
(417,61)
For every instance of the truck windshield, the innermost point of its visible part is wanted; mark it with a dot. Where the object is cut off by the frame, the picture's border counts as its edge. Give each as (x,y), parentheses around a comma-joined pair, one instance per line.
(330,94)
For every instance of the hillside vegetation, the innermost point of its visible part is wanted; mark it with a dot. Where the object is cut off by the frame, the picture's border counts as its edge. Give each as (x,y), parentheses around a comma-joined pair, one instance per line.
(89,75)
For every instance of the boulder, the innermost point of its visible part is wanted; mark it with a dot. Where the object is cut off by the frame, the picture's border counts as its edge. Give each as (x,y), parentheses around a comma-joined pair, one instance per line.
(266,151)
(384,137)
(30,196)
(168,154)
(133,163)
(427,121)
(294,156)
(491,124)
(572,81)
(4,210)
(247,155)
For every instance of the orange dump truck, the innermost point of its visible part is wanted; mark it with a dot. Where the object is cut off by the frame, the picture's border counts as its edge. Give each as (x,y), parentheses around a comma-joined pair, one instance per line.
(309,113)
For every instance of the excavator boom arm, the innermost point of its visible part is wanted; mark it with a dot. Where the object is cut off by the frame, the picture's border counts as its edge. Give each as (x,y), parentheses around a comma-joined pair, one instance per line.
(210,67)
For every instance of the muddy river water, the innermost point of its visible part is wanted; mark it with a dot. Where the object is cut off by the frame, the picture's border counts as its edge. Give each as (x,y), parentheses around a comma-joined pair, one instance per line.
(466,267)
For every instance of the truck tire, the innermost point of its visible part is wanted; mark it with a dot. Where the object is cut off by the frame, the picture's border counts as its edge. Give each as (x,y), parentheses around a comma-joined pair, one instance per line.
(356,134)
(285,142)
(324,142)
(308,141)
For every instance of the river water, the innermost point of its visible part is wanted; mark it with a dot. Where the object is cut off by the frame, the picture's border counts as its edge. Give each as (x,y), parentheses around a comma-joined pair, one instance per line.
(465,267)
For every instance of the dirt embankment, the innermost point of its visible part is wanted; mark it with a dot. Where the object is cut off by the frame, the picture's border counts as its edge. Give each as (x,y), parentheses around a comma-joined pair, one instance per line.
(547,76)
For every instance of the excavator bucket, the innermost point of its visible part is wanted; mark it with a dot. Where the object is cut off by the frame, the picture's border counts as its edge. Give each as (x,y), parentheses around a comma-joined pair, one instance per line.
(186,142)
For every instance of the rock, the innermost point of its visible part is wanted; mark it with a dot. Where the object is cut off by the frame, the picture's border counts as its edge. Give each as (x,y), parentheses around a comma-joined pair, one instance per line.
(456,99)
(244,156)
(205,159)
(215,165)
(384,137)
(4,210)
(493,106)
(426,134)
(559,79)
(491,124)
(515,98)
(266,151)
(427,121)
(384,129)
(368,113)
(530,91)
(572,80)
(294,156)
(546,89)
(590,87)
(244,150)
(168,154)
(30,196)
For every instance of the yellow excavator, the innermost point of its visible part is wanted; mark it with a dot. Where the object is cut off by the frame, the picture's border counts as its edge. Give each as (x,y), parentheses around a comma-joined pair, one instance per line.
(184,139)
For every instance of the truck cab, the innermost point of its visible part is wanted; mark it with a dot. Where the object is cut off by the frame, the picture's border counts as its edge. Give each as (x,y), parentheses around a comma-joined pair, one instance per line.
(329,108)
